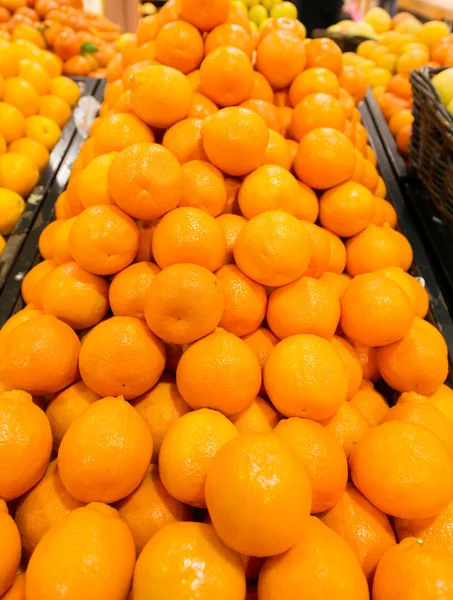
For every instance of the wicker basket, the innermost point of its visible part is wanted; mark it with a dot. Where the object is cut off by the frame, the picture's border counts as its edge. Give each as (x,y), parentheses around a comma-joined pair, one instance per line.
(431,146)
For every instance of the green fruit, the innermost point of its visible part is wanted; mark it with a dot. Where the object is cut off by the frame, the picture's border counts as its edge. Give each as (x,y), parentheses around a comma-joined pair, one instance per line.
(240,5)
(258,13)
(251,3)
(443,82)
(284,9)
(269,4)
(450,108)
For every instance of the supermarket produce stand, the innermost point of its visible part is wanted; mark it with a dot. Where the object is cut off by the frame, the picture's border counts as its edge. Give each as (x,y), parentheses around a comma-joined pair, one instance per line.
(21,251)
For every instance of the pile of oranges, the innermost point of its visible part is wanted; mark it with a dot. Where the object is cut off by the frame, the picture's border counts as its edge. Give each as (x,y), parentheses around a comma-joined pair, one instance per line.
(83,41)
(35,103)
(189,406)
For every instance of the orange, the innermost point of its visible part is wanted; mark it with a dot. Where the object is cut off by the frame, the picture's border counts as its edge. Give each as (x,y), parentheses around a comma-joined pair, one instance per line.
(441,399)
(11,544)
(389,211)
(280,57)
(187,451)
(22,315)
(117,132)
(60,245)
(183,303)
(147,29)
(313,81)
(375,311)
(285,115)
(159,408)
(233,186)
(33,150)
(46,239)
(325,158)
(273,248)
(97,527)
(120,356)
(371,405)
(185,140)
(239,16)
(403,469)
(436,531)
(109,432)
(372,249)
(145,180)
(103,239)
(261,342)
(368,360)
(347,102)
(400,86)
(269,188)
(354,81)
(75,296)
(30,351)
(66,89)
(248,515)
(189,235)
(286,24)
(413,568)
(321,563)
(259,417)
(43,130)
(277,151)
(231,225)
(184,556)
(324,53)
(346,209)
(315,111)
(149,508)
(41,507)
(21,94)
(403,138)
(307,204)
(92,182)
(9,62)
(201,107)
(267,110)
(17,590)
(337,260)
(413,59)
(179,45)
(33,282)
(226,76)
(413,288)
(205,14)
(128,288)
(320,250)
(306,305)
(203,186)
(35,74)
(337,283)
(209,370)
(351,363)
(245,301)
(322,457)
(55,108)
(18,173)
(399,120)
(348,427)
(305,375)
(26,445)
(418,362)
(66,406)
(229,34)
(363,527)
(194,80)
(235,140)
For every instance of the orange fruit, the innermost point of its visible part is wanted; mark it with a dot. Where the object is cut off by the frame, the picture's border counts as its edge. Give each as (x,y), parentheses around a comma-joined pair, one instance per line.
(265,109)
(351,363)
(162,567)
(399,120)
(354,81)
(194,80)
(248,516)
(184,139)
(66,89)
(189,235)
(233,186)
(371,405)
(229,34)
(120,356)
(179,45)
(209,370)
(306,305)
(307,204)
(128,288)
(269,188)
(75,296)
(9,62)
(347,102)
(285,115)
(63,409)
(203,186)
(403,469)
(239,16)
(183,303)
(235,140)
(324,53)
(201,107)
(160,95)
(97,527)
(320,563)
(372,249)
(46,239)
(418,362)
(441,399)
(337,260)
(45,504)
(348,427)
(363,527)
(226,76)
(346,209)
(329,148)
(322,457)
(320,250)
(187,451)
(368,360)
(436,531)
(231,225)
(147,29)
(103,239)
(293,380)
(280,57)
(412,568)
(313,81)
(273,248)
(55,108)
(35,74)
(17,590)
(33,150)
(259,417)
(26,446)
(149,508)
(11,544)
(261,342)
(159,408)
(117,132)
(400,86)
(245,301)
(205,14)
(33,282)
(337,283)
(20,93)
(12,123)
(286,24)
(30,351)
(18,173)
(61,252)
(110,431)
(403,139)
(413,288)
(92,182)
(315,111)
(42,130)
(375,311)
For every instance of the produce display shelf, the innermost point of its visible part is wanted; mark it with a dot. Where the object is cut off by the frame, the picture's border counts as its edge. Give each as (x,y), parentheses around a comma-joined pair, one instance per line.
(26,253)
(19,235)
(425,265)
